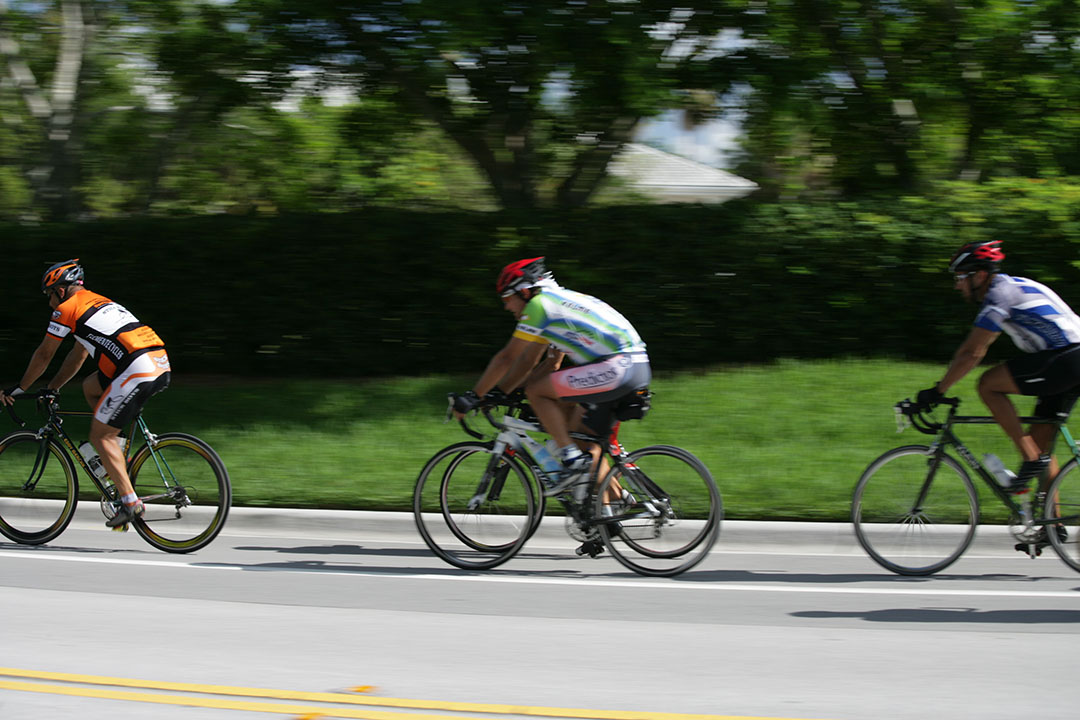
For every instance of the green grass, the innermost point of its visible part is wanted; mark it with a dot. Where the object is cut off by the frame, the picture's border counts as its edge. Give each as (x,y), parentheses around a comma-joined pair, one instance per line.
(784,441)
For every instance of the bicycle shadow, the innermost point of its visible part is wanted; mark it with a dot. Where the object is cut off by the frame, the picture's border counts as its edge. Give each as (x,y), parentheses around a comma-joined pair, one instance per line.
(72,549)
(847,578)
(950,615)
(375,551)
(325,567)
(337,550)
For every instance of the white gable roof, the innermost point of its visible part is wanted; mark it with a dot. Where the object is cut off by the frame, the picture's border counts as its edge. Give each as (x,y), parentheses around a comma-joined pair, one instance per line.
(670,178)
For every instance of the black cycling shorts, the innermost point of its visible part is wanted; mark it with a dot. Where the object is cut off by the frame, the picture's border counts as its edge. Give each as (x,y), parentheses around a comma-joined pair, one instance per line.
(1053,376)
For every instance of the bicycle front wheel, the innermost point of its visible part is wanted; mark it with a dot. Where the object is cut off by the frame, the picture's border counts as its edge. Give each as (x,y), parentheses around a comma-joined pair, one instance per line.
(1062,513)
(38,488)
(914,512)
(186,491)
(474,509)
(659,511)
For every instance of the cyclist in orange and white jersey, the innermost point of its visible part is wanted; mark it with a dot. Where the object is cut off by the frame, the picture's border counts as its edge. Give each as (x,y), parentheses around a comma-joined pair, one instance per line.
(131,361)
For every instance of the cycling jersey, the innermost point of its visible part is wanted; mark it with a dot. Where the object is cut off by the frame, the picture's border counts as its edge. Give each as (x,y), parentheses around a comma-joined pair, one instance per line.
(585,328)
(112,335)
(1031,313)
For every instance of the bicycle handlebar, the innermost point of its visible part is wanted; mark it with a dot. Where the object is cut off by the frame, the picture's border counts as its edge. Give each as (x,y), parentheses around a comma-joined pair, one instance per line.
(493,399)
(40,395)
(916,414)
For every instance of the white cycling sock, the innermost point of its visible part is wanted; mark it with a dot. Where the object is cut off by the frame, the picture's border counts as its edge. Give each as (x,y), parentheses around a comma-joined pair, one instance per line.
(570,452)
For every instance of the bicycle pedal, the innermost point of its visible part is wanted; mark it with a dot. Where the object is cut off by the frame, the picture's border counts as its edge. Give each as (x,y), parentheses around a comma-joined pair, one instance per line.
(1026,548)
(591,547)
(120,528)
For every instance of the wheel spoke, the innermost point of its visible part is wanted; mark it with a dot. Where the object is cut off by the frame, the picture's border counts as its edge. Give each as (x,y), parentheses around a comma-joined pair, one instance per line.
(910,521)
(38,489)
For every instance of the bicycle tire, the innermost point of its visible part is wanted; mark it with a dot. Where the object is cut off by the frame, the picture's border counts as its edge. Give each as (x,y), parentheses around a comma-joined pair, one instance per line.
(671,518)
(462,534)
(897,531)
(494,530)
(185,489)
(1062,508)
(37,515)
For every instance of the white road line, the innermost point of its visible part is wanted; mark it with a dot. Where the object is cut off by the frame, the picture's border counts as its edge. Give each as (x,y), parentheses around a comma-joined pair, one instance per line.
(681,585)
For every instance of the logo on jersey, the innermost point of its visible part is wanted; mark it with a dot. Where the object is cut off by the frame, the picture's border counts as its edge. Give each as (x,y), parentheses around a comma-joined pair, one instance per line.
(106,344)
(580,339)
(55,314)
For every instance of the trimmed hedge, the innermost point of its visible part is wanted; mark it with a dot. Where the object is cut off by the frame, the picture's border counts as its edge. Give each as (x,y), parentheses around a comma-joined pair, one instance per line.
(388,292)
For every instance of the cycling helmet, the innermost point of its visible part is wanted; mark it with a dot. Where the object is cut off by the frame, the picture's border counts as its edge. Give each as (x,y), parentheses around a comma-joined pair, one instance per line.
(68,272)
(980,255)
(520,275)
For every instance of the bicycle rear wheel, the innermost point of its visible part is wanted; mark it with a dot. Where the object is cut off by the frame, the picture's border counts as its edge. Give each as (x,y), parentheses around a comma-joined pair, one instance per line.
(1062,511)
(659,510)
(473,509)
(914,512)
(186,491)
(38,488)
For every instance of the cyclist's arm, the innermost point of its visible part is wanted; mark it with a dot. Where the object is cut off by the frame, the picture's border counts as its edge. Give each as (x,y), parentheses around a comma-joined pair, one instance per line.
(70,366)
(551,362)
(511,365)
(967,356)
(39,363)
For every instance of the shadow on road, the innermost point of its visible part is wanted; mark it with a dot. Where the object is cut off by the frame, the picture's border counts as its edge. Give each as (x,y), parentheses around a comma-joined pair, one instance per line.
(950,615)
(845,578)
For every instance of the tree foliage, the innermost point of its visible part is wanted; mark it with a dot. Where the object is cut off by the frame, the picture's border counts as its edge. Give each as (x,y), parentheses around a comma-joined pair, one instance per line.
(886,95)
(127,107)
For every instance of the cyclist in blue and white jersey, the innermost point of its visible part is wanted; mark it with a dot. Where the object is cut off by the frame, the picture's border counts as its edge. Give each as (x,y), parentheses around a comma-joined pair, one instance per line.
(609,356)
(1042,325)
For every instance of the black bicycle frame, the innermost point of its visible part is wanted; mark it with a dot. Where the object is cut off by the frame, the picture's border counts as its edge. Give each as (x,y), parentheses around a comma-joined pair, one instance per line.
(946,437)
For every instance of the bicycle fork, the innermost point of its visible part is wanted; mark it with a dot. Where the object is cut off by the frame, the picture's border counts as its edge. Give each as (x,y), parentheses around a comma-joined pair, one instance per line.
(494,478)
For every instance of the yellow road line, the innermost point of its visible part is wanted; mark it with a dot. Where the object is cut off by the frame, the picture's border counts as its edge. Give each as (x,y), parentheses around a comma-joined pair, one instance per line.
(320,697)
(218,703)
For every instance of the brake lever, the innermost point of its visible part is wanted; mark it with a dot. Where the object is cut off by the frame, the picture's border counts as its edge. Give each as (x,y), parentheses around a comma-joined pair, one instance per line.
(903,422)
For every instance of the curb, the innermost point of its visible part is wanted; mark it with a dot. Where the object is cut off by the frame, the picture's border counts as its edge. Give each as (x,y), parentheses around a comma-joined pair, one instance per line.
(359,525)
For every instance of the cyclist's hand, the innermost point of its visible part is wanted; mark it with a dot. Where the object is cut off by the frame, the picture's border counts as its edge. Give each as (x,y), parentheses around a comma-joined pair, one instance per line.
(929,397)
(464,402)
(7,396)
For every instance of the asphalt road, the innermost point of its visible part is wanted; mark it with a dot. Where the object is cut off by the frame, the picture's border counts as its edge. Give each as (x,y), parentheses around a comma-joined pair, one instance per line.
(782,621)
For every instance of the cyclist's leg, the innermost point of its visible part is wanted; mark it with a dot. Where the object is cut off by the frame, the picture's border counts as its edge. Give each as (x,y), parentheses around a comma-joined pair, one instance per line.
(1045,434)
(119,403)
(550,408)
(995,385)
(1044,373)
(596,416)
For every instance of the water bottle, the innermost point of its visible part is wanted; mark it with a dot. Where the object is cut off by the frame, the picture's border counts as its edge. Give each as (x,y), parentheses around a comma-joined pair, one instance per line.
(1004,476)
(550,463)
(92,460)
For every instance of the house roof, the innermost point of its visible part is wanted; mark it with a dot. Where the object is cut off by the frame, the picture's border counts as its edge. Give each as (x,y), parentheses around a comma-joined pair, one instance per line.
(671,178)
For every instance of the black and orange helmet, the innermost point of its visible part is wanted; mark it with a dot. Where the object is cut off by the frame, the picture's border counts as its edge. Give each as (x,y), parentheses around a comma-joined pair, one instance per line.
(520,275)
(68,272)
(979,255)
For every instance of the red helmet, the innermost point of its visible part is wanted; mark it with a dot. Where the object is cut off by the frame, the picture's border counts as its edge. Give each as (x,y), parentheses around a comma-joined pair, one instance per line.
(520,275)
(980,255)
(67,272)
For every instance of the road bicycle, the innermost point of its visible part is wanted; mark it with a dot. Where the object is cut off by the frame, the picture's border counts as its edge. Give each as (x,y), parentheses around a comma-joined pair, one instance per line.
(180,479)
(915,509)
(657,510)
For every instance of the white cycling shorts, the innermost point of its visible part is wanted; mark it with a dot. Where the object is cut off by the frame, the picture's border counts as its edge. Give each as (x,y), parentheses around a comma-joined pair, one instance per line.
(147,375)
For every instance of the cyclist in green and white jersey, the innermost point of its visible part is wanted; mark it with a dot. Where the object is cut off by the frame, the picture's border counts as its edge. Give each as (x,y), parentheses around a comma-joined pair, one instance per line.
(609,356)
